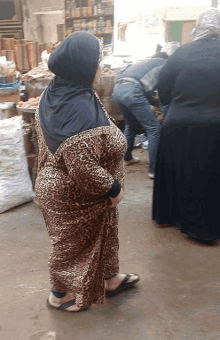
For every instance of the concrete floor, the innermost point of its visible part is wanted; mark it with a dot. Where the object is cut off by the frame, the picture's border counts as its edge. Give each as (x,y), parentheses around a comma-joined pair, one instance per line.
(177,298)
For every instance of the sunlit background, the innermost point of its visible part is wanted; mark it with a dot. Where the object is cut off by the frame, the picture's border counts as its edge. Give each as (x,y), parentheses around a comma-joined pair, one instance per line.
(169,20)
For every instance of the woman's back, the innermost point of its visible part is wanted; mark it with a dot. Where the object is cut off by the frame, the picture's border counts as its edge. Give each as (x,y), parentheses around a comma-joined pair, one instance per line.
(191,76)
(199,79)
(187,179)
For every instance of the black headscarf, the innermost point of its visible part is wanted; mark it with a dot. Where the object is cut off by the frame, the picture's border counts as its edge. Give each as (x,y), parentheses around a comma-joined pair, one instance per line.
(69,105)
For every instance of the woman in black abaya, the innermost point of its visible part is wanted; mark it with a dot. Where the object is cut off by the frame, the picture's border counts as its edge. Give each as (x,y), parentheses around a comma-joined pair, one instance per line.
(187,181)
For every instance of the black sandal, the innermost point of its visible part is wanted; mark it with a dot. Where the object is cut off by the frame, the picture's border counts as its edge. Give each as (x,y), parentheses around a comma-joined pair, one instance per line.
(123,286)
(65,305)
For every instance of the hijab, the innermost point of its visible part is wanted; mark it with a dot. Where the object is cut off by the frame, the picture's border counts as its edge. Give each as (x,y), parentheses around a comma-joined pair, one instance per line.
(69,105)
(208,25)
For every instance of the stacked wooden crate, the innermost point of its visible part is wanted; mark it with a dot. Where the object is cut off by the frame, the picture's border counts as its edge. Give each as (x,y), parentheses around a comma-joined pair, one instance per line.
(24,53)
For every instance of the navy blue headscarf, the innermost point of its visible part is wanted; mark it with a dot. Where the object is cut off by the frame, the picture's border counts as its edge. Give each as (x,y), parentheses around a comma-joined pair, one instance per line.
(69,105)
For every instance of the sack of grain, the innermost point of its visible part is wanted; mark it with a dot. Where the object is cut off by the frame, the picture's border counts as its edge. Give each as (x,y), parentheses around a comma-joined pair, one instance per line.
(15,182)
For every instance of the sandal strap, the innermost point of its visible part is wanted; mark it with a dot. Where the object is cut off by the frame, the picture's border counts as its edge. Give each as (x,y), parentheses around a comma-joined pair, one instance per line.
(124,285)
(127,277)
(67,304)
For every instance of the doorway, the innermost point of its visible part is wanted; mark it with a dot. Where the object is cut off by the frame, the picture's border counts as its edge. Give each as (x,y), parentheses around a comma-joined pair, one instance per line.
(175,30)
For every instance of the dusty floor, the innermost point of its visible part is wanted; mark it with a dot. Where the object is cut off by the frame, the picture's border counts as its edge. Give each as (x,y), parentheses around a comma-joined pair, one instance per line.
(178,296)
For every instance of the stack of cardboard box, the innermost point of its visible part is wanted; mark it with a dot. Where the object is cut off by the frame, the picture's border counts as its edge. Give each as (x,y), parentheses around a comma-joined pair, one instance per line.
(25,54)
(93,16)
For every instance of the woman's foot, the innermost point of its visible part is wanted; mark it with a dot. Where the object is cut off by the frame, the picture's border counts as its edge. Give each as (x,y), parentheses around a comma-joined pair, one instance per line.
(114,283)
(57,302)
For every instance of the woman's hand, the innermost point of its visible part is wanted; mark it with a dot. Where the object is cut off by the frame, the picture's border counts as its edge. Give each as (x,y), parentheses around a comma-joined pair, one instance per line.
(117,199)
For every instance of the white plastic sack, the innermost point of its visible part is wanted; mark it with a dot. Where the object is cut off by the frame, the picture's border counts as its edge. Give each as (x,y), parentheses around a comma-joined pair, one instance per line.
(15,182)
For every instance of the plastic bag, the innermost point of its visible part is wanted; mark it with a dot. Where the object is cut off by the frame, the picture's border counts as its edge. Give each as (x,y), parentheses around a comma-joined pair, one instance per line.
(8,71)
(15,182)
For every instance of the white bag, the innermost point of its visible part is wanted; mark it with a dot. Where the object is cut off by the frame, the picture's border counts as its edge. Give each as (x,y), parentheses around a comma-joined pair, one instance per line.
(15,182)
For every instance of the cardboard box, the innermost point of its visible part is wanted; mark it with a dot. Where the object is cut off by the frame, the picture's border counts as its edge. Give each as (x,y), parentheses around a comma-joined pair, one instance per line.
(33,54)
(25,57)
(83,24)
(22,57)
(11,43)
(68,13)
(94,26)
(5,44)
(49,47)
(89,11)
(108,23)
(18,57)
(41,48)
(110,3)
(68,32)
(91,3)
(10,96)
(23,41)
(77,12)
(8,43)
(17,42)
(7,111)
(84,11)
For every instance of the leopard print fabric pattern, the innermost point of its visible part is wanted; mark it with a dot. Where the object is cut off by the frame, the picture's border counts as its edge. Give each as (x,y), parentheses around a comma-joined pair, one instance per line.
(82,226)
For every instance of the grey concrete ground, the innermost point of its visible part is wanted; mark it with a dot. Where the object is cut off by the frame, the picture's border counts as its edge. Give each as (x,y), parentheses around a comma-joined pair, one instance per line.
(177,298)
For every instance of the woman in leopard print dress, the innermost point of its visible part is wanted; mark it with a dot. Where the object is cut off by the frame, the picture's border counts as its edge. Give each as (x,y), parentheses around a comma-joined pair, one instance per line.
(80,179)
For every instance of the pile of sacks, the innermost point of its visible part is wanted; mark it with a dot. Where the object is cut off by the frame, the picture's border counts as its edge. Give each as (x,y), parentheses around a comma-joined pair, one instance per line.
(38,72)
(15,182)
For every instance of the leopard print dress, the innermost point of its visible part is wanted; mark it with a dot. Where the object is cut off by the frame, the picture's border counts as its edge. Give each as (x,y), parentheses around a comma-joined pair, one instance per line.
(82,226)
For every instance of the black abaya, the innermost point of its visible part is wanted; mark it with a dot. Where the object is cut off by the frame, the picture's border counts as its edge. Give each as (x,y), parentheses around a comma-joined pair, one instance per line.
(187,178)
